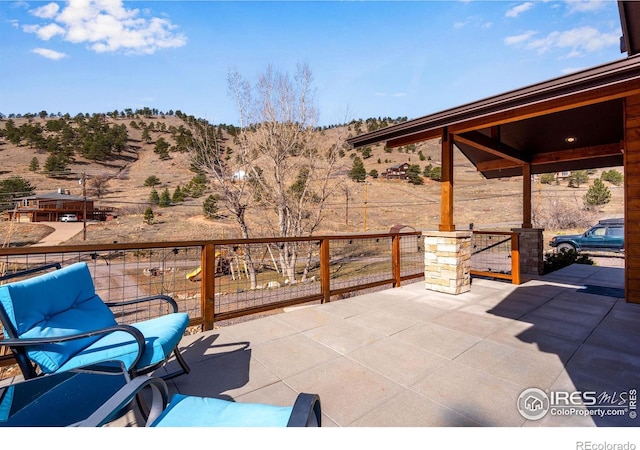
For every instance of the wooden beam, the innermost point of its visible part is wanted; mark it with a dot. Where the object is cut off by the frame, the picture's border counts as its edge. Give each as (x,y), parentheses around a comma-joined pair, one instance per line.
(526,196)
(598,151)
(446,183)
(415,138)
(553,105)
(487,144)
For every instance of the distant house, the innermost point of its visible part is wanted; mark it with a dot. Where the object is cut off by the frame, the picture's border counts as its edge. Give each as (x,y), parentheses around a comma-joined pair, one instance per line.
(562,176)
(397,172)
(50,206)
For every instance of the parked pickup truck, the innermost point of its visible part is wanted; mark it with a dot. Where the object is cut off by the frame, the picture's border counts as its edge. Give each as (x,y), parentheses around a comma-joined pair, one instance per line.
(607,235)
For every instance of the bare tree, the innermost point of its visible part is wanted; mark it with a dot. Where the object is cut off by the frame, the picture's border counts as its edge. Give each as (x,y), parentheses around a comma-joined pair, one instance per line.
(292,164)
(210,156)
(99,185)
(280,161)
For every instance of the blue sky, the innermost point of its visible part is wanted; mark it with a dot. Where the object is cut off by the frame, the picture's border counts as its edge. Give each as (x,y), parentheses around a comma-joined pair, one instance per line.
(368,58)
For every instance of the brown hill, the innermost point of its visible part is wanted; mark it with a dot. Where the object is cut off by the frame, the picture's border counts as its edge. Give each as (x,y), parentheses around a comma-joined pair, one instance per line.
(489,204)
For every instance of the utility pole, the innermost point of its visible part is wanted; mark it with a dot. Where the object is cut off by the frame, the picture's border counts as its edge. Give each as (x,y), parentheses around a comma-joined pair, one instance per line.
(365,206)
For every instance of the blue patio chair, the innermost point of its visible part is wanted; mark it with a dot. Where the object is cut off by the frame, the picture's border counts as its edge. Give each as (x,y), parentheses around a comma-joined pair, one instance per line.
(192,411)
(56,322)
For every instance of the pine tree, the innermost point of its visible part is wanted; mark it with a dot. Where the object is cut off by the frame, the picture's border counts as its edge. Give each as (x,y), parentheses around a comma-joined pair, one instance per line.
(414,174)
(154,197)
(152,180)
(210,206)
(148,216)
(357,172)
(34,165)
(165,198)
(177,196)
(578,177)
(598,194)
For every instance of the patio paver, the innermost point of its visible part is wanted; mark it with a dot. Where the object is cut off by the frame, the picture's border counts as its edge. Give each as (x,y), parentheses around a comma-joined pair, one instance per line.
(412,357)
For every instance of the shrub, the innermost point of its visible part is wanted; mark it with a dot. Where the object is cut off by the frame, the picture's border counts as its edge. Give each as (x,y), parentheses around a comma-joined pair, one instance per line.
(547,178)
(152,181)
(563,258)
(563,214)
(612,176)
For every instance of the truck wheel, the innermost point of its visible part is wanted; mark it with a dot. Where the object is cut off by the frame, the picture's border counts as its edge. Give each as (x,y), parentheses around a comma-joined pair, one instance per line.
(565,246)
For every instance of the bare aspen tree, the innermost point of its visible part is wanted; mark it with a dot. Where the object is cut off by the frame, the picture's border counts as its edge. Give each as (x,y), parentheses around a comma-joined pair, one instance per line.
(210,157)
(281,162)
(294,164)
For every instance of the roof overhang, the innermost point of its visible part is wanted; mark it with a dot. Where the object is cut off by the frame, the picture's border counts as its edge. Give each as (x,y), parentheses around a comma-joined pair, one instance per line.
(570,122)
(630,22)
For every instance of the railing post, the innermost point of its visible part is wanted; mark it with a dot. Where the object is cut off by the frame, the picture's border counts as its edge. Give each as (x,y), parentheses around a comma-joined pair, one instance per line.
(207,286)
(325,282)
(515,258)
(395,259)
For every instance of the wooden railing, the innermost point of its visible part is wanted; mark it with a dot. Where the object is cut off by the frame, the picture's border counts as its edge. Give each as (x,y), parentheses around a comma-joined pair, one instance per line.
(225,279)
(496,254)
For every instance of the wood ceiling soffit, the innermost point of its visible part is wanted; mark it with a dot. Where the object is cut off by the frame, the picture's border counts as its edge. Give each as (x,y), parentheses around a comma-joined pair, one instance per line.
(494,146)
(598,151)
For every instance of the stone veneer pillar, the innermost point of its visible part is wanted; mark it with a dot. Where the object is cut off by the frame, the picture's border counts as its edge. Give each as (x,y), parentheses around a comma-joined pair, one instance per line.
(531,245)
(447,261)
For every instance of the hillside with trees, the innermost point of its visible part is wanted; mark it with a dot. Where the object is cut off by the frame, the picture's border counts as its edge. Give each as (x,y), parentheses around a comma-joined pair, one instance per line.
(170,174)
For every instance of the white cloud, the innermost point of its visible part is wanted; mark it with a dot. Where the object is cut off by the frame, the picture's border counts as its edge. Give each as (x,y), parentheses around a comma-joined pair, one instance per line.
(577,41)
(46,32)
(519,38)
(585,5)
(47,53)
(48,11)
(106,26)
(517,10)
(475,21)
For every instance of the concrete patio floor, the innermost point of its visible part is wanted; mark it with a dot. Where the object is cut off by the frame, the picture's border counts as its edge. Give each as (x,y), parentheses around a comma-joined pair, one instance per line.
(409,357)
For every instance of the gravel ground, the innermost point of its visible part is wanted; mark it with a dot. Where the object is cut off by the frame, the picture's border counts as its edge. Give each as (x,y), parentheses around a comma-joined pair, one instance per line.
(608,259)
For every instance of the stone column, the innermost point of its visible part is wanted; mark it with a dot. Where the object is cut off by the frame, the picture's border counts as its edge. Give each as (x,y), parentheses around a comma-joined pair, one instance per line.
(531,243)
(447,261)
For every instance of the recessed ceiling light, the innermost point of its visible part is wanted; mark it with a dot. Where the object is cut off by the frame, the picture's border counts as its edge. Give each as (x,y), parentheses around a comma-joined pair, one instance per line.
(570,139)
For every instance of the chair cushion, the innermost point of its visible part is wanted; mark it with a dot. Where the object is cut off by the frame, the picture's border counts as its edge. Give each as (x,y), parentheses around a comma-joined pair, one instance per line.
(190,411)
(161,334)
(58,303)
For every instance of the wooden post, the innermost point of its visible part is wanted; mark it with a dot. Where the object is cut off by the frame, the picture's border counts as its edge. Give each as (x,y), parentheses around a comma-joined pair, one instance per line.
(207,285)
(526,196)
(395,258)
(446,184)
(325,282)
(515,258)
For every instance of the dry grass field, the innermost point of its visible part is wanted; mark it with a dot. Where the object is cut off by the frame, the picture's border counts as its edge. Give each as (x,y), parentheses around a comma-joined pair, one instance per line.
(488,204)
